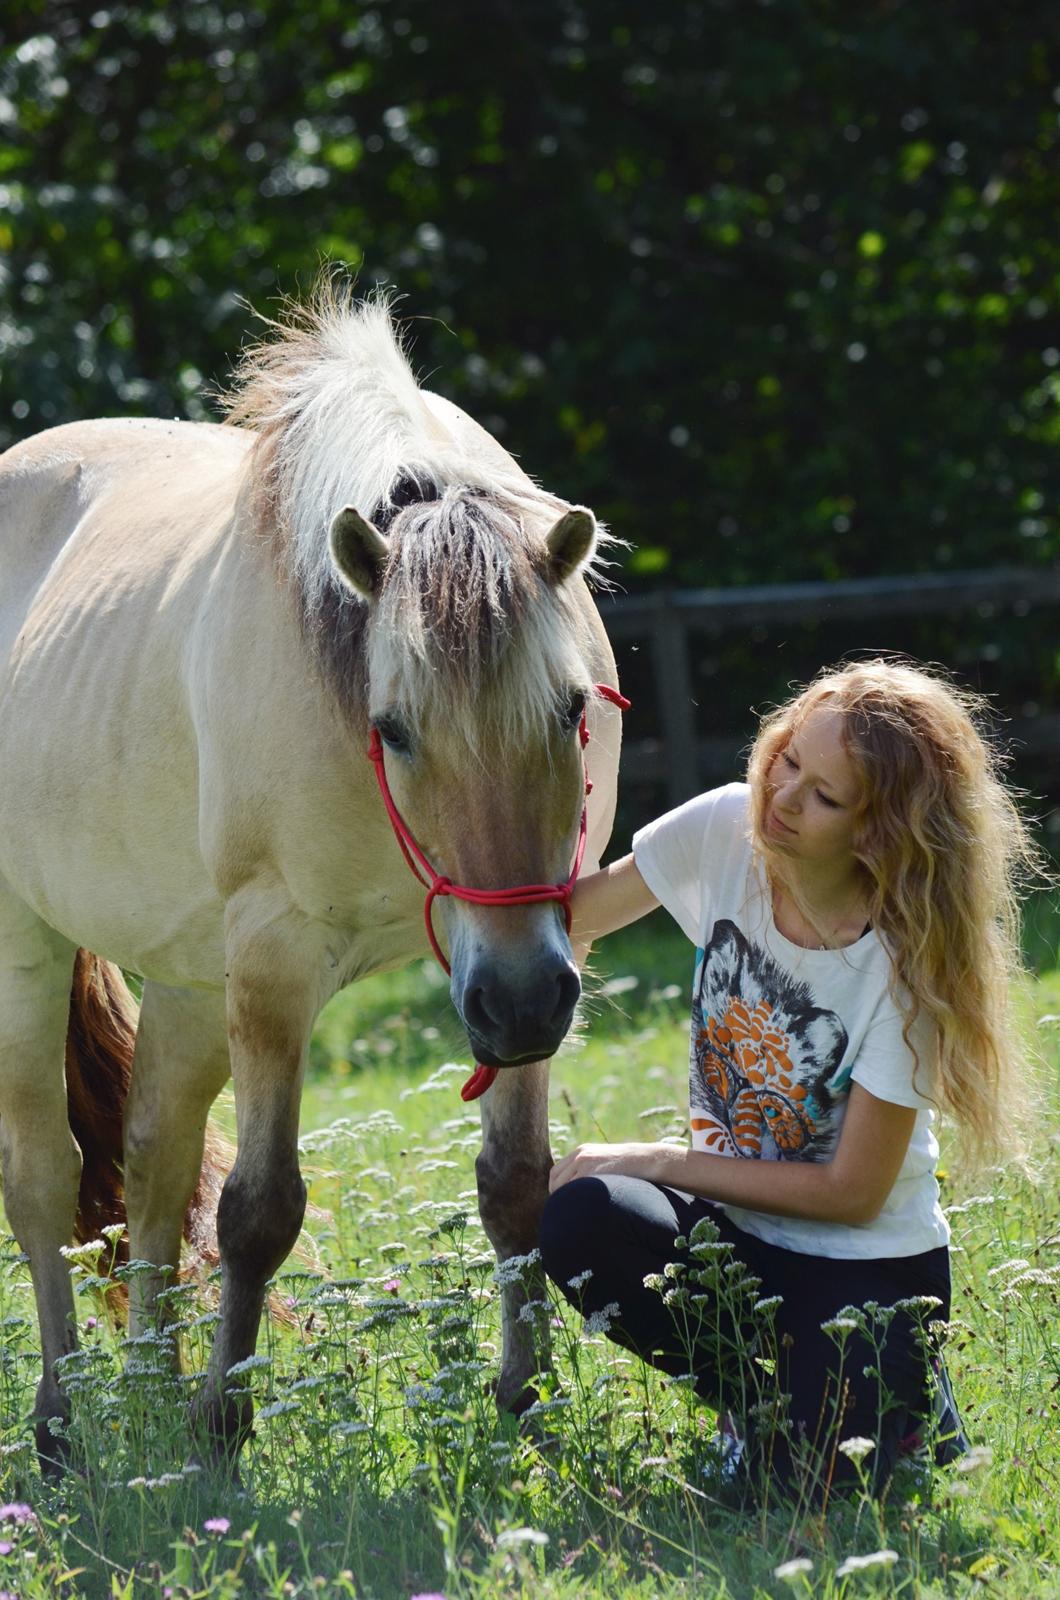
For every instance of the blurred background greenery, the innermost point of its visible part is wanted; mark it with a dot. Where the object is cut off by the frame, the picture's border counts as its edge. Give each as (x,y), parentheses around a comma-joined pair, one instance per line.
(771,284)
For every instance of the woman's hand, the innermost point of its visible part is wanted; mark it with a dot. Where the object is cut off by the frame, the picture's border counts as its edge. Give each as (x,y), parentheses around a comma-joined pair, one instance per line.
(631,1160)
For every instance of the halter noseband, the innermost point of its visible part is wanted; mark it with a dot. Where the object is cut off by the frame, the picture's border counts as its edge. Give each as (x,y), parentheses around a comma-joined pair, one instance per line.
(527,894)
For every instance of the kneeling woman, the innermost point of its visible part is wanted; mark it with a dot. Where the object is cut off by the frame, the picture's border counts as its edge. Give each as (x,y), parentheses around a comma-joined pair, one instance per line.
(854,913)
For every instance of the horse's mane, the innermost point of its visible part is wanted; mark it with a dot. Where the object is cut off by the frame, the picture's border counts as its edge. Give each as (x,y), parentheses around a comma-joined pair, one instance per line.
(466,609)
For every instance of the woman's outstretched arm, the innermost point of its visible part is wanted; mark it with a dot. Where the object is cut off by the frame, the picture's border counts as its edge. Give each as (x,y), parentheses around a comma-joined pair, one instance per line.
(609,899)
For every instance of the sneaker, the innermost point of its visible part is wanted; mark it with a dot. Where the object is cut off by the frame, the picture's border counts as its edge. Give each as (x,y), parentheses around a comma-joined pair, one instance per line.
(730,1448)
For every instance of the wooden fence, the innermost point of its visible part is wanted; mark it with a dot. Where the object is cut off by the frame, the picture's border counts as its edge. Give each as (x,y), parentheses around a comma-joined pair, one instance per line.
(682,760)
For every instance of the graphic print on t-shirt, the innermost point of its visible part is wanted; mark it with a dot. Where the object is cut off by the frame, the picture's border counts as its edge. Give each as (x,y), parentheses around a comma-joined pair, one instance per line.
(762,1056)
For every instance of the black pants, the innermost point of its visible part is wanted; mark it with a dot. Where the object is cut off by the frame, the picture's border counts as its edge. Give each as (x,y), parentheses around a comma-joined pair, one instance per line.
(620,1230)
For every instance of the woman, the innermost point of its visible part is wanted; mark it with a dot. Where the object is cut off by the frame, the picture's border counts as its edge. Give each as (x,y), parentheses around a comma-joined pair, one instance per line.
(854,912)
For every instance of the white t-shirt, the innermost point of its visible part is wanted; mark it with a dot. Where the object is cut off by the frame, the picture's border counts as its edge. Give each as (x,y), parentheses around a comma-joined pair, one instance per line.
(780,1032)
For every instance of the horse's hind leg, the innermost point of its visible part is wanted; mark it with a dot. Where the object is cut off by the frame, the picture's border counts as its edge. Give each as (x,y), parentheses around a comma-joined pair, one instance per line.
(512,1172)
(180,1065)
(41,1160)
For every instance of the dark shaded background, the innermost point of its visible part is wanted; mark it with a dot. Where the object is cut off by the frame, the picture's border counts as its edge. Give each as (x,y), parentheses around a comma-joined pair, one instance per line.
(772,286)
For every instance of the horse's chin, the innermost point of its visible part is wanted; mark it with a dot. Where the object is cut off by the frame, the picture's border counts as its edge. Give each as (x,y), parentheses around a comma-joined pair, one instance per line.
(486,1056)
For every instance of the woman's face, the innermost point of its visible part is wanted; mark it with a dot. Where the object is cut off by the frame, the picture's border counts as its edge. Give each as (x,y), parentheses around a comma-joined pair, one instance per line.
(814,793)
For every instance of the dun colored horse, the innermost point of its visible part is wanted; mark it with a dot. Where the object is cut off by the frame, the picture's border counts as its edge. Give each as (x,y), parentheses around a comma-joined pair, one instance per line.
(200,626)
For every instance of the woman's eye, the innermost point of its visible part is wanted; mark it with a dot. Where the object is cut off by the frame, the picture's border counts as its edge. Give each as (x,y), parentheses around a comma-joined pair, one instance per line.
(788,762)
(833,805)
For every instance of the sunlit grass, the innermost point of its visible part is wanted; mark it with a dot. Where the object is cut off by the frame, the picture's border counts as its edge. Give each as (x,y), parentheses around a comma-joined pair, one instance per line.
(379,1467)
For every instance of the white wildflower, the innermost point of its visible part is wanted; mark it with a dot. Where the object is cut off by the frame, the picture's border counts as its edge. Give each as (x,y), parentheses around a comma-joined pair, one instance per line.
(422,1394)
(1032,1278)
(1014,1265)
(976,1459)
(515,1536)
(512,1268)
(248,1364)
(858,1448)
(539,1407)
(600,1321)
(877,1558)
(839,1325)
(278,1408)
(580,1279)
(789,1571)
(83,1255)
(915,1303)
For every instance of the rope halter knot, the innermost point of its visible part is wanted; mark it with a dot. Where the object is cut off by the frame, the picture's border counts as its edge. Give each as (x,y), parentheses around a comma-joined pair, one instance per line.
(438,885)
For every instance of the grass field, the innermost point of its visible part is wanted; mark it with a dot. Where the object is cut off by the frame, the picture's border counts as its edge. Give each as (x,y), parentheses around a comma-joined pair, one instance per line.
(379,1467)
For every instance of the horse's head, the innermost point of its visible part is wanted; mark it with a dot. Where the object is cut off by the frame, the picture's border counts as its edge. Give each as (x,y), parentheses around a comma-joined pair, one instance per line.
(477,680)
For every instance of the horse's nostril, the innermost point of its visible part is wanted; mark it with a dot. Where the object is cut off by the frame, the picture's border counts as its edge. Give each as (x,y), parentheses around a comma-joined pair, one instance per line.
(569,988)
(476,1012)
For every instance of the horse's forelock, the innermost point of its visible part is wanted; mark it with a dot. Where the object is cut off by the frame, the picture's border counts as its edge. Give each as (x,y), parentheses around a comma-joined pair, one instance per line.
(469,628)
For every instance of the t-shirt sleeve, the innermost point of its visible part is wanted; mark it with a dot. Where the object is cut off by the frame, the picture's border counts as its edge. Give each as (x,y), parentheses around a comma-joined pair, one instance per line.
(678,854)
(886,1065)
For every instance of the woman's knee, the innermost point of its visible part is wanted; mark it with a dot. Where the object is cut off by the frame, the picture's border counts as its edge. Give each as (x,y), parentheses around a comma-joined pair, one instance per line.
(574,1230)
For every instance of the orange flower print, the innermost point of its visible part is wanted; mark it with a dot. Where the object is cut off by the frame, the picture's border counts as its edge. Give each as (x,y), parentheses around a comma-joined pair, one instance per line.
(763,1055)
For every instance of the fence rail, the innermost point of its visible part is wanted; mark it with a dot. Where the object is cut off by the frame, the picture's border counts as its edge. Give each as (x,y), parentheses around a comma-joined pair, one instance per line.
(667,619)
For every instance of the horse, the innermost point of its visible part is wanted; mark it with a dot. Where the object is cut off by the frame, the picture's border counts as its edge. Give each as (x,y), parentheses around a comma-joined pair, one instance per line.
(201,625)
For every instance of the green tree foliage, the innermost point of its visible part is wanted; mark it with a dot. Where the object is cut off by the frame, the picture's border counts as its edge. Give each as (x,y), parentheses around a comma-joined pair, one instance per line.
(771,285)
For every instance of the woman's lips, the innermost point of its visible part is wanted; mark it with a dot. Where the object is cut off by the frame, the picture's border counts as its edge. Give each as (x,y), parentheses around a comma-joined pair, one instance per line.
(778,826)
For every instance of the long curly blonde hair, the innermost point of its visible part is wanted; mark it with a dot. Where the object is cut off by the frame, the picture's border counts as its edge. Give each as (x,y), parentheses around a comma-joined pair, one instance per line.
(946,856)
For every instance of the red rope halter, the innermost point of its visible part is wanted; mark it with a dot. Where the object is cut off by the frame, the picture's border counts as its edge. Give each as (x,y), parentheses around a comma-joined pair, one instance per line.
(436,884)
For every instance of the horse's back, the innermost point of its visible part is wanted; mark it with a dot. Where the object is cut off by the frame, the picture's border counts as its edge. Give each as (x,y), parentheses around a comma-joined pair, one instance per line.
(108,535)
(50,481)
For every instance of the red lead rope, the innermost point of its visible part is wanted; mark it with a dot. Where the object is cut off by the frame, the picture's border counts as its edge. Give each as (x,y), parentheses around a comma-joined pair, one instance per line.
(526,894)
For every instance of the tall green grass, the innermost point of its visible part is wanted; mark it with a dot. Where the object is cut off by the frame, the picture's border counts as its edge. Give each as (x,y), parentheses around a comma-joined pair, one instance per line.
(379,1466)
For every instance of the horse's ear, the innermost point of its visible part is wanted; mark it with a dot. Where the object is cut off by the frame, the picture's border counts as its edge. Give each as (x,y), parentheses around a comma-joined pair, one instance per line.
(571,542)
(359,551)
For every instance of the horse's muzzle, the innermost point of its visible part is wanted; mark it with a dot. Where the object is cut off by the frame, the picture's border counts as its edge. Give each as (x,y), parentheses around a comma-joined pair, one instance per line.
(510,1024)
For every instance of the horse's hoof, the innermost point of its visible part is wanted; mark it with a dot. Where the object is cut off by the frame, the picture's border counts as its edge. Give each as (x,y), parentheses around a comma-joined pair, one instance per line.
(514,1395)
(220,1427)
(55,1455)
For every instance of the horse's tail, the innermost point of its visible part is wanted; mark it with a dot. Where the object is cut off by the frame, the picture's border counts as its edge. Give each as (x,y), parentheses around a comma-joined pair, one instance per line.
(100,1038)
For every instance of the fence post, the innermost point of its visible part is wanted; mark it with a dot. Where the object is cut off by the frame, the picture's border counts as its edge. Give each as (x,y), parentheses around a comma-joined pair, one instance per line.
(673,689)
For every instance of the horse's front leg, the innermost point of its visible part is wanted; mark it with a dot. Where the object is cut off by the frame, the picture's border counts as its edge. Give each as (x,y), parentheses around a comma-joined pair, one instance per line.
(512,1172)
(272,1001)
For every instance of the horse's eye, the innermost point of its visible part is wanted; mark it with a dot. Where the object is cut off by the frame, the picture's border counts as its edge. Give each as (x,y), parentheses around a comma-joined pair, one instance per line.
(574,709)
(393,735)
